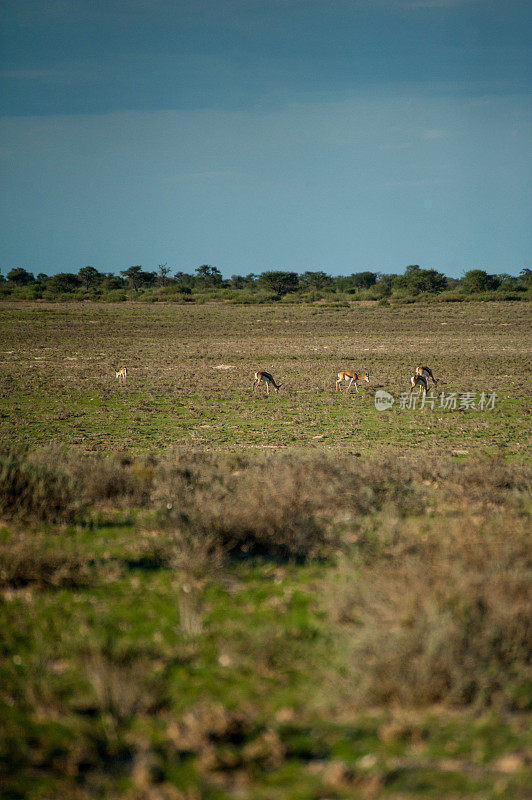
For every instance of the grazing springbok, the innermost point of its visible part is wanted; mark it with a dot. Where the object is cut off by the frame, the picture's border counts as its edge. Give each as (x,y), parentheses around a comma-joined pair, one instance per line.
(352,377)
(426,373)
(265,377)
(421,381)
(121,374)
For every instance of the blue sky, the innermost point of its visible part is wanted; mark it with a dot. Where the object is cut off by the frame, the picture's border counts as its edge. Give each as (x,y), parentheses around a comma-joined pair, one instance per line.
(251,135)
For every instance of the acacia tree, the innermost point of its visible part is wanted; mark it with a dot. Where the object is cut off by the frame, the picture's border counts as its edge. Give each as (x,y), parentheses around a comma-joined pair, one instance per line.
(208,276)
(162,273)
(357,280)
(184,280)
(134,276)
(525,277)
(315,280)
(364,280)
(62,282)
(417,280)
(89,276)
(111,281)
(279,282)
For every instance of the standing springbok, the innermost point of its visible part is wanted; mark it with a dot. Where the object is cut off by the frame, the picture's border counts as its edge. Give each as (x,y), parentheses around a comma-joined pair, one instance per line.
(121,374)
(426,373)
(352,377)
(265,377)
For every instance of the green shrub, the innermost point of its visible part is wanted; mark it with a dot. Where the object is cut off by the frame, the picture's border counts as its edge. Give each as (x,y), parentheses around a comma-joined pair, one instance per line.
(116,296)
(248,297)
(452,297)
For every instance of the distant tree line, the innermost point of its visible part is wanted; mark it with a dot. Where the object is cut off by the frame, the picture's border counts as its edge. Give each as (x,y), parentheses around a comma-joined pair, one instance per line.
(207,282)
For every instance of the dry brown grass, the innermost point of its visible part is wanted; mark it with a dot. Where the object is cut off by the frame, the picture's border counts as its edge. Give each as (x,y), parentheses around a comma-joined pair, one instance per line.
(280,505)
(30,489)
(32,556)
(440,613)
(120,479)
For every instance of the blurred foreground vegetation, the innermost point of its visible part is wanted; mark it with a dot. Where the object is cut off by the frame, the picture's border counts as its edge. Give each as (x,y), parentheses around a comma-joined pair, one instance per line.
(271,627)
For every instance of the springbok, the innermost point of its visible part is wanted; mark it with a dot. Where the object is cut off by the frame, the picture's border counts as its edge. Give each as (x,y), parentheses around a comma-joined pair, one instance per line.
(121,374)
(352,377)
(265,377)
(421,381)
(426,373)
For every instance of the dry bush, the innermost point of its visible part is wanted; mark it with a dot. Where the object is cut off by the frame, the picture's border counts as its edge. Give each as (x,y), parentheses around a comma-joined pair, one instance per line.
(304,506)
(284,506)
(442,614)
(120,479)
(476,483)
(34,487)
(32,490)
(33,556)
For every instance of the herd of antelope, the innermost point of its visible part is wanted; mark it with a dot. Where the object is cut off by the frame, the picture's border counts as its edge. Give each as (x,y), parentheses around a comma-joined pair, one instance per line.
(419,379)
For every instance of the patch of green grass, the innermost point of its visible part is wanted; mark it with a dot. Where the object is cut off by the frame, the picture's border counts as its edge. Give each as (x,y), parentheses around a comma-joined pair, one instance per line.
(263,636)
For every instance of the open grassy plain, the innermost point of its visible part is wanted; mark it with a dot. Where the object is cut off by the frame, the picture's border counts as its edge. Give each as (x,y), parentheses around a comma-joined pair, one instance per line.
(209,594)
(57,376)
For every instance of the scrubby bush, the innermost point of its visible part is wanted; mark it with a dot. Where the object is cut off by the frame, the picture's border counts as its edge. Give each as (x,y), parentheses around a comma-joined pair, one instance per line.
(116,296)
(440,613)
(250,509)
(119,479)
(29,489)
(478,280)
(283,506)
(31,556)
(20,276)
